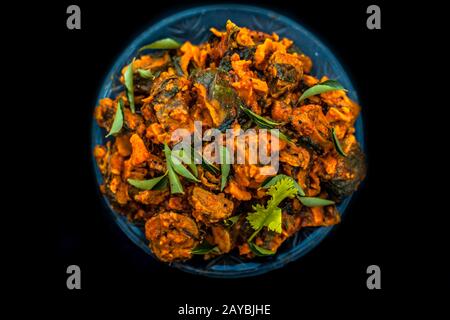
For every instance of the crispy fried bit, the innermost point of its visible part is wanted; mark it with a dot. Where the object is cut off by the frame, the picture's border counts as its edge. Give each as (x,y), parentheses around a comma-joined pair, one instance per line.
(281,111)
(123,145)
(320,216)
(295,156)
(249,87)
(312,125)
(209,207)
(284,72)
(172,236)
(104,113)
(346,175)
(237,191)
(156,163)
(151,196)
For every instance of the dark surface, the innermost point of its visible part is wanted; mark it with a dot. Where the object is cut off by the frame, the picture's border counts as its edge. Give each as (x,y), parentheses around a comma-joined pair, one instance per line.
(79,231)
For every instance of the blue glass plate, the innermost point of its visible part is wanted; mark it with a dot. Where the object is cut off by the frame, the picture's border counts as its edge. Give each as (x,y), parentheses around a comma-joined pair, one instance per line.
(194,25)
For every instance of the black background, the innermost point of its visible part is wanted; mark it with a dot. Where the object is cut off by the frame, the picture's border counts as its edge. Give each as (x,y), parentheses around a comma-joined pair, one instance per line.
(78,230)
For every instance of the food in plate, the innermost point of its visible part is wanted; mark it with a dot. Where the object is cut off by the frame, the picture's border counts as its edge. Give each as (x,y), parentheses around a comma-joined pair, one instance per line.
(239,79)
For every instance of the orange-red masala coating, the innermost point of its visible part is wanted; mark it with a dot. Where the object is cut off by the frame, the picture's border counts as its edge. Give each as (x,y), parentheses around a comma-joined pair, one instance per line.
(208,82)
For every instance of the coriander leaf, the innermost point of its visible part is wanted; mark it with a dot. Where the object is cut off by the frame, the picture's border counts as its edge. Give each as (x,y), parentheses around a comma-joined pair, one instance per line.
(328,85)
(337,145)
(283,189)
(174,181)
(265,218)
(204,248)
(146,74)
(315,202)
(128,77)
(166,43)
(225,160)
(118,120)
(273,180)
(146,184)
(260,251)
(270,216)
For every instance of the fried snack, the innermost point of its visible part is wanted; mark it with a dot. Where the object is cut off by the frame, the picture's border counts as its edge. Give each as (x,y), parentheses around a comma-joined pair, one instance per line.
(212,82)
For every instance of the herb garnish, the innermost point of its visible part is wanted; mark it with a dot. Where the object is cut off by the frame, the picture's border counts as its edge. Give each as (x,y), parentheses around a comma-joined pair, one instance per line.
(301,196)
(315,202)
(205,162)
(265,123)
(146,74)
(147,184)
(270,215)
(231,221)
(260,120)
(177,167)
(128,78)
(118,120)
(166,43)
(273,180)
(337,145)
(225,160)
(187,158)
(204,248)
(260,251)
(328,85)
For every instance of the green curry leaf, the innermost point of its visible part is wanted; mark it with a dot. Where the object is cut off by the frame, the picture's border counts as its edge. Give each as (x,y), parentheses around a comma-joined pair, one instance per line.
(231,221)
(328,85)
(337,145)
(128,78)
(146,74)
(315,202)
(270,215)
(147,184)
(166,43)
(225,160)
(118,120)
(265,123)
(204,248)
(181,170)
(260,251)
(260,120)
(174,181)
